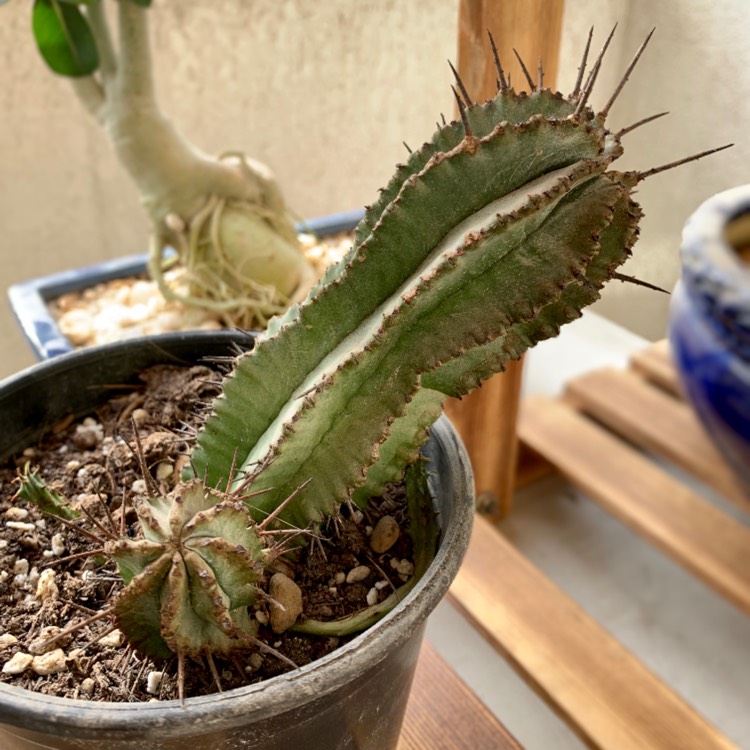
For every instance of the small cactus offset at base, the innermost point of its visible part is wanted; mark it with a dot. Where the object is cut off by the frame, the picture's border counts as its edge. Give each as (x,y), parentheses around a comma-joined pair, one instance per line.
(192,576)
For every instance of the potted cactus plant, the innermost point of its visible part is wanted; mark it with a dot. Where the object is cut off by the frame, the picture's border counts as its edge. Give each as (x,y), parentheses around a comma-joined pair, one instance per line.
(224,219)
(488,239)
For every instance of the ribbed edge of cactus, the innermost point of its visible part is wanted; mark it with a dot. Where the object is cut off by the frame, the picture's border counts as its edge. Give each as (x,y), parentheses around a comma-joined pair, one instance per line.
(487,240)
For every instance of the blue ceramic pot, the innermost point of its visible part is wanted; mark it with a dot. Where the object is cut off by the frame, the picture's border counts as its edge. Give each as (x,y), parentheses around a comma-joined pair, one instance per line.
(709,327)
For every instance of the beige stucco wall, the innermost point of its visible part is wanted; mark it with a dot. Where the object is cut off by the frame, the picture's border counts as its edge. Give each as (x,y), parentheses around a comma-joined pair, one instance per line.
(697,67)
(325,93)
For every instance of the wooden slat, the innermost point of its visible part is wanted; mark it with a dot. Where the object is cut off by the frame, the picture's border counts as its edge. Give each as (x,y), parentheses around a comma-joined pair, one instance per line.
(486,419)
(443,714)
(655,363)
(533,27)
(604,693)
(657,422)
(696,534)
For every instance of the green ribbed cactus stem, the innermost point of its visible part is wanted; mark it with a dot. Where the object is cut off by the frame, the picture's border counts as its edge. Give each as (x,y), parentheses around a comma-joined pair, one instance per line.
(487,240)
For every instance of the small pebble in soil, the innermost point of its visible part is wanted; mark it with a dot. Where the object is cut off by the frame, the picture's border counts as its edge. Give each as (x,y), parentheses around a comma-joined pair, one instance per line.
(140,417)
(402,567)
(43,642)
(49,663)
(20,525)
(286,602)
(153,682)
(18,663)
(21,567)
(139,487)
(88,435)
(372,596)
(384,535)
(164,470)
(58,545)
(46,587)
(16,514)
(111,640)
(7,640)
(355,575)
(87,686)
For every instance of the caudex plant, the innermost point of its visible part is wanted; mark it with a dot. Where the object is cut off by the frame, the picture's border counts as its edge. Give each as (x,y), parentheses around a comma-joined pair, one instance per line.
(487,240)
(226,217)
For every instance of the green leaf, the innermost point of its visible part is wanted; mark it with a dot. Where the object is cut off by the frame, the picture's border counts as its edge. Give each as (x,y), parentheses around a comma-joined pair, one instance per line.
(64,38)
(142,3)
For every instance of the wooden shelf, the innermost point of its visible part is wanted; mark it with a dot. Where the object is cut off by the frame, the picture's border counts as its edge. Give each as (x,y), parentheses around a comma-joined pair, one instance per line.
(443,713)
(593,682)
(628,440)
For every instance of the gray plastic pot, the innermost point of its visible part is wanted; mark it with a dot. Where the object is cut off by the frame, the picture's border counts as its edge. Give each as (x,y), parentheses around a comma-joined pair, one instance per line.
(353,699)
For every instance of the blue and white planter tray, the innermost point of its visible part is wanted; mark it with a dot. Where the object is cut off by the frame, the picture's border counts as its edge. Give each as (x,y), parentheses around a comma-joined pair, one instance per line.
(29,299)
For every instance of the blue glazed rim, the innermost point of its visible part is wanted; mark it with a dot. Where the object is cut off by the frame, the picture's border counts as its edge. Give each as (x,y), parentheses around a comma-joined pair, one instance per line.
(715,277)
(29,299)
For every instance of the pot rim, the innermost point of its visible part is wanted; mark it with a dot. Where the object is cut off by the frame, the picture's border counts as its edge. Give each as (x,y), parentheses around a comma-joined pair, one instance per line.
(710,261)
(715,278)
(39,712)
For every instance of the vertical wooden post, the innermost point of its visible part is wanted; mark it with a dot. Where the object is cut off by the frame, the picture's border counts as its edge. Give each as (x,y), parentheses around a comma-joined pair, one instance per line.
(486,419)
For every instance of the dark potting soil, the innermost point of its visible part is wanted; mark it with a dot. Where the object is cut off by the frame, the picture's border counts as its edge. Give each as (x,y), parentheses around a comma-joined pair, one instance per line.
(47,586)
